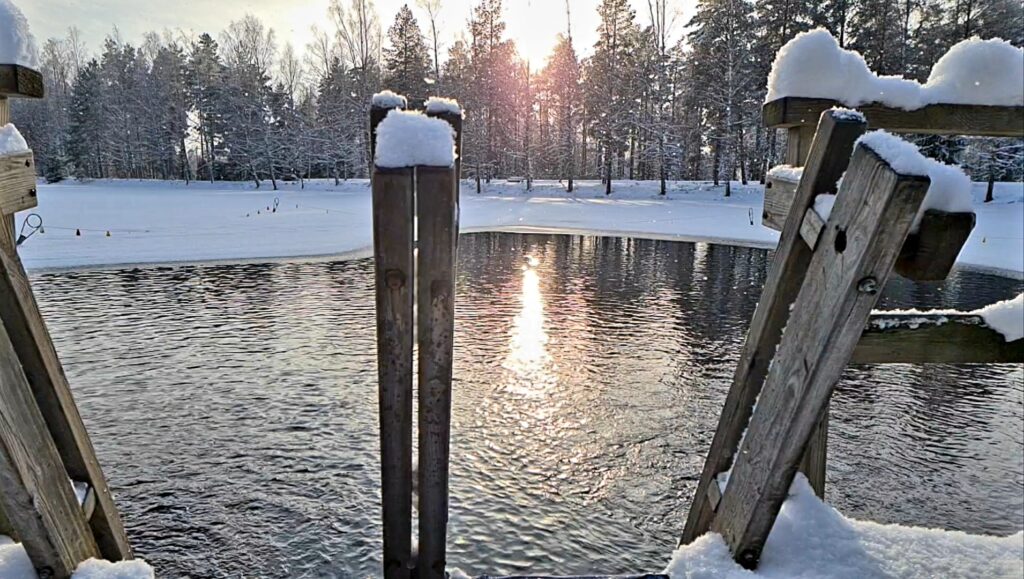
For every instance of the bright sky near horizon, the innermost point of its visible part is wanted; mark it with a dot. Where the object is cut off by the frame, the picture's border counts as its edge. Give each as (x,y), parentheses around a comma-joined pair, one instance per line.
(533,24)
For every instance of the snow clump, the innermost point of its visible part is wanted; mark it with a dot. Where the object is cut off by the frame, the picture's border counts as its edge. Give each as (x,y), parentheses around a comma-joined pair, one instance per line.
(410,138)
(388,100)
(11,141)
(17,45)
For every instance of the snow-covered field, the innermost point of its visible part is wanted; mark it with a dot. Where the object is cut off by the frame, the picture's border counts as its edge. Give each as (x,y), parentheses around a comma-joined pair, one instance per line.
(161,222)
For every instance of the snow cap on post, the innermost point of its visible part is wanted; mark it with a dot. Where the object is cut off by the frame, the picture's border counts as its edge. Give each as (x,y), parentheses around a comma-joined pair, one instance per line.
(440,105)
(11,141)
(385,99)
(410,139)
(973,72)
(17,45)
(950,188)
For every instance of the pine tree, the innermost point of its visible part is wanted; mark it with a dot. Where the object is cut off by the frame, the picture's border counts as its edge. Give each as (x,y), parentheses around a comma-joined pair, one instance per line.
(406,60)
(560,90)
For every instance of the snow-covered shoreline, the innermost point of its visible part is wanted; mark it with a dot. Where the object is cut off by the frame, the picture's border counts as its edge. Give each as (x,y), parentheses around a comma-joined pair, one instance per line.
(159,222)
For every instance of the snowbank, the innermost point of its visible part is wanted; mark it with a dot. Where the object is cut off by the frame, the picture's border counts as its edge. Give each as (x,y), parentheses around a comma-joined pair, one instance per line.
(439,105)
(17,45)
(15,564)
(410,138)
(974,71)
(11,140)
(388,100)
(950,188)
(812,540)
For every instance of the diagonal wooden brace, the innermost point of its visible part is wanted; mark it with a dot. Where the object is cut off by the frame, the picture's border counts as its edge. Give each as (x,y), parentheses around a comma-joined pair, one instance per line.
(828,159)
(856,253)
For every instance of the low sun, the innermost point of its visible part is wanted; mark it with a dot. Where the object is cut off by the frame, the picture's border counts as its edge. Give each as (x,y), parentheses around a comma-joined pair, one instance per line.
(534,25)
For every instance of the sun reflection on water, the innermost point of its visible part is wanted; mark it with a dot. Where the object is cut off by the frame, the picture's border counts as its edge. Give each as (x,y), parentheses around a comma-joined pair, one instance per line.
(528,359)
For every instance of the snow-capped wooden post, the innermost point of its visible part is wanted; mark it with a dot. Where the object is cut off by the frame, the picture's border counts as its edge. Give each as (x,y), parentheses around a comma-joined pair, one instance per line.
(414,170)
(393,239)
(451,112)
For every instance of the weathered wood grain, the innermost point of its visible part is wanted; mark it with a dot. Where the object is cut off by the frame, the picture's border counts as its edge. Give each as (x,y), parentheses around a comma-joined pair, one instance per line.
(20,81)
(377,114)
(34,347)
(798,144)
(934,339)
(810,228)
(778,197)
(830,154)
(930,253)
(36,497)
(17,183)
(871,220)
(393,206)
(938,119)
(437,212)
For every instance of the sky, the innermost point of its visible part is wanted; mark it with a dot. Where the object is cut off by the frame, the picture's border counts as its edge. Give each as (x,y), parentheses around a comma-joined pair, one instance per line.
(533,24)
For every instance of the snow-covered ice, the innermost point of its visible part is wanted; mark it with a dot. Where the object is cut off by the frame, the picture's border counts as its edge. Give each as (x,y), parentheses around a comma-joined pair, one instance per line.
(11,140)
(442,105)
(811,540)
(974,71)
(950,188)
(17,45)
(388,100)
(161,222)
(411,138)
(15,564)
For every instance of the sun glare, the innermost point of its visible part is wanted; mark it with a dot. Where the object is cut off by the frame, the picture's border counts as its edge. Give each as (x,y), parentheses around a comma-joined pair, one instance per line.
(534,25)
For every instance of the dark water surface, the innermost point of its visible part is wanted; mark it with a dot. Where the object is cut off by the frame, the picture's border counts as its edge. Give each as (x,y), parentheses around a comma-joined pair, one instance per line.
(234,407)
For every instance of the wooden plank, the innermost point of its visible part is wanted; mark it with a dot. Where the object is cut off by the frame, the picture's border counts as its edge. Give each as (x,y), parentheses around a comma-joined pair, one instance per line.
(20,81)
(38,357)
(393,207)
(871,220)
(778,197)
(830,154)
(934,339)
(930,253)
(798,144)
(455,120)
(937,119)
(377,114)
(17,183)
(438,209)
(36,497)
(810,228)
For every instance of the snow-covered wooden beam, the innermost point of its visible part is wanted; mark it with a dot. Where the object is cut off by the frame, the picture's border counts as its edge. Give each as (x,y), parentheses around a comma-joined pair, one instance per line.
(937,119)
(926,338)
(20,82)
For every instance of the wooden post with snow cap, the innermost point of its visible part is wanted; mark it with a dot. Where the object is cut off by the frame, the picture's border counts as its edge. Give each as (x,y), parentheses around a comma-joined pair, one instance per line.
(381,104)
(17,170)
(450,111)
(393,208)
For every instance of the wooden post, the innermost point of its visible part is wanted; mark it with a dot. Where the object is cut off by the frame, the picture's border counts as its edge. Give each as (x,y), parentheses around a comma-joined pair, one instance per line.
(871,220)
(393,206)
(455,120)
(437,207)
(377,114)
(828,159)
(37,502)
(34,348)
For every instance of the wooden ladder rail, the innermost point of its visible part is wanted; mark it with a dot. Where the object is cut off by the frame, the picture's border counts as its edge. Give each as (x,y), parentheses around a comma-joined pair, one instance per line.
(48,423)
(928,254)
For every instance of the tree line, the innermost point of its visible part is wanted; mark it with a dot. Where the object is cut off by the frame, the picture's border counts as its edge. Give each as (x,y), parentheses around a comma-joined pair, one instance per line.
(655,99)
